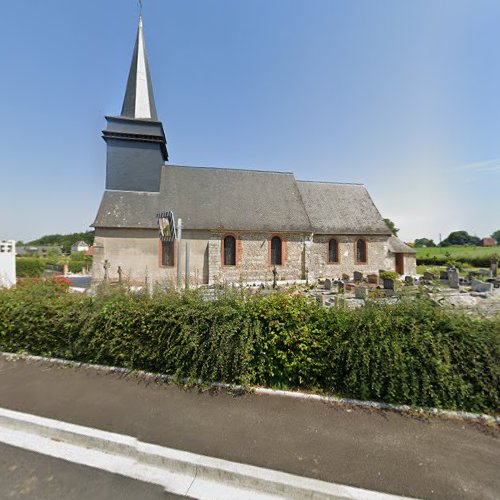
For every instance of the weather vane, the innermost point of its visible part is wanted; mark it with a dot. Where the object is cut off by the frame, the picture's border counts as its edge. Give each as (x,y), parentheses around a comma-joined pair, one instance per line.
(140,7)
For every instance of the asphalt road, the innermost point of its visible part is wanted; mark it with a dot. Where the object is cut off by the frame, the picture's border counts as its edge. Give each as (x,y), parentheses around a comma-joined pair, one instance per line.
(377,450)
(25,475)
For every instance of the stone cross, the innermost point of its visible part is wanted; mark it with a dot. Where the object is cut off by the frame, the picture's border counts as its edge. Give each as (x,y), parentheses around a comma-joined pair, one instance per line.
(106,266)
(453,281)
(494,266)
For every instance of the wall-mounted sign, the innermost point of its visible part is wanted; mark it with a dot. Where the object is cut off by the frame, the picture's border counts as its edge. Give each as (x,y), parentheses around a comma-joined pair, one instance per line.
(166,226)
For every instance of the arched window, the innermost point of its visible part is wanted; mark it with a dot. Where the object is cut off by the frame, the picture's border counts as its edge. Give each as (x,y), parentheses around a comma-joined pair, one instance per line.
(229,251)
(333,251)
(361,256)
(276,251)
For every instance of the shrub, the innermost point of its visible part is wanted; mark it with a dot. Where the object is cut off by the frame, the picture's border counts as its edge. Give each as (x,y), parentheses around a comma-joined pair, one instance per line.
(411,353)
(393,275)
(30,267)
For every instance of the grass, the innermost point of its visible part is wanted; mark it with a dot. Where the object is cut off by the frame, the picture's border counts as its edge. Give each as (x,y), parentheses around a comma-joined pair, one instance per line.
(458,251)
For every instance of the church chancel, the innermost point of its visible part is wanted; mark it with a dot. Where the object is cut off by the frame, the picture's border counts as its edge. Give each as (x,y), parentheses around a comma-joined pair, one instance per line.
(237,225)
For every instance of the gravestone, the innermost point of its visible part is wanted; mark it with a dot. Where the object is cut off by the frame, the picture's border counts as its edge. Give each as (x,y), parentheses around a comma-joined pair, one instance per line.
(453,278)
(494,266)
(481,286)
(357,276)
(443,275)
(345,277)
(429,276)
(409,280)
(372,279)
(388,284)
(360,292)
(341,286)
(328,284)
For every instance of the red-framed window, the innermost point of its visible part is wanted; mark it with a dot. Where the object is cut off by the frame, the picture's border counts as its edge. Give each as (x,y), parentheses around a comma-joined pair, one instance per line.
(361,251)
(333,251)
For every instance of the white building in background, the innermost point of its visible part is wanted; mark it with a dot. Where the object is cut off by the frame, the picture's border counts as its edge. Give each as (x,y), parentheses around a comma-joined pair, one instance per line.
(80,246)
(7,263)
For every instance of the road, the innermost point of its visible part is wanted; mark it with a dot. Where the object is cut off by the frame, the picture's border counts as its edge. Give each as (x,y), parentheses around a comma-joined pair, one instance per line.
(25,475)
(376,450)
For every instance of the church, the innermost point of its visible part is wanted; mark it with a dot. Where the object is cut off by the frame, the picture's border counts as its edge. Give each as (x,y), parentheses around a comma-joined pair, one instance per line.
(237,225)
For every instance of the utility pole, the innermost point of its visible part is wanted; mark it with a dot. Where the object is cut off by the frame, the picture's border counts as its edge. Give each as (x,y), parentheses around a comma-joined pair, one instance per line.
(187,264)
(179,253)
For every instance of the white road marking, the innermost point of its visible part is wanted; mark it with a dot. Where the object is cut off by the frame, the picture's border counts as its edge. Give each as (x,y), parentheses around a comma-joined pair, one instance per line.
(179,472)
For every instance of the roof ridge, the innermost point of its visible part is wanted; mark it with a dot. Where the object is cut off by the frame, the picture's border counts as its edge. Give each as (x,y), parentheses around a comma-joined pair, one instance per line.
(334,182)
(232,169)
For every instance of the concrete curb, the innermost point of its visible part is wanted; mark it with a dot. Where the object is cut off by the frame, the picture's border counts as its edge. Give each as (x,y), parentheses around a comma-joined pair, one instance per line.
(177,471)
(402,409)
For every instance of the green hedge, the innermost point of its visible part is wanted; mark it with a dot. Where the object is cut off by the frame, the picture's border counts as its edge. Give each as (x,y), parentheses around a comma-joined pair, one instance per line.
(30,267)
(412,353)
(474,261)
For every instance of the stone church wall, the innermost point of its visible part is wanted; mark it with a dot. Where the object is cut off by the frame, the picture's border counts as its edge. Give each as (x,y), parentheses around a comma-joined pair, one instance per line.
(137,252)
(253,257)
(318,256)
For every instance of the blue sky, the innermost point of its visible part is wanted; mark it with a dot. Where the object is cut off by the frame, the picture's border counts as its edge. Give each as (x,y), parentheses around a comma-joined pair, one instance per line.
(403,96)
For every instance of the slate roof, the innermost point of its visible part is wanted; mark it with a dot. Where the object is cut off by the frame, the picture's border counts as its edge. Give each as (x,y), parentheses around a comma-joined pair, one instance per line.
(245,200)
(139,99)
(397,246)
(335,208)
(212,198)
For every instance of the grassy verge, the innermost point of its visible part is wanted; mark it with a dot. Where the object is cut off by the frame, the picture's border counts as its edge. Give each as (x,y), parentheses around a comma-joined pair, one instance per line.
(410,353)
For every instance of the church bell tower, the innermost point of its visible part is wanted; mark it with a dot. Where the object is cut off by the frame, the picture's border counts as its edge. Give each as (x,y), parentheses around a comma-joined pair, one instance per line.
(136,143)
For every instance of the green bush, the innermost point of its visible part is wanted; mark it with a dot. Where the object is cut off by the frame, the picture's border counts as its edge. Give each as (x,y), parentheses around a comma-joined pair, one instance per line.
(30,267)
(411,353)
(393,275)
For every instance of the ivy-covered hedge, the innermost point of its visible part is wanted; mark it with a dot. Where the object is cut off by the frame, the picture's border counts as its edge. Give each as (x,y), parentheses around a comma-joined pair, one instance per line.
(412,353)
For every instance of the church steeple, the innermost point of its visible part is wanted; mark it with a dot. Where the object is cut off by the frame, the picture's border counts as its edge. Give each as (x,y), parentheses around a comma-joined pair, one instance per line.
(139,100)
(136,142)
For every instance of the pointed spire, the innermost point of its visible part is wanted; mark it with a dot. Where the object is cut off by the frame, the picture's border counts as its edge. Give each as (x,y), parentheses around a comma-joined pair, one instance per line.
(139,101)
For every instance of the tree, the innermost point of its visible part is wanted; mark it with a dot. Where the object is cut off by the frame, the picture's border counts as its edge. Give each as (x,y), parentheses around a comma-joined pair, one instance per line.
(496,236)
(64,240)
(394,230)
(424,242)
(460,238)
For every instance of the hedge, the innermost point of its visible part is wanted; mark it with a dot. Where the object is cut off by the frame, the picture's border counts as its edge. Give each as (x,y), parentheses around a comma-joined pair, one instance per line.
(477,261)
(30,267)
(409,353)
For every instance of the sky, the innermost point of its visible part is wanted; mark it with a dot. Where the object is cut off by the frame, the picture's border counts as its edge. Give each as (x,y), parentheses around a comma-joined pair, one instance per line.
(402,96)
